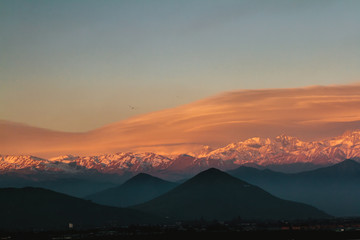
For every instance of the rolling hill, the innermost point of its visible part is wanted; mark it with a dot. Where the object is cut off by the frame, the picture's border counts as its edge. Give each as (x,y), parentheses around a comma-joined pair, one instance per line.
(141,188)
(36,208)
(334,189)
(213,194)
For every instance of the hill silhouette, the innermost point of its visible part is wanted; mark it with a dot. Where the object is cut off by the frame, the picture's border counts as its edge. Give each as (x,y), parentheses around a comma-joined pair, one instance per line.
(36,208)
(141,188)
(334,189)
(213,194)
(346,169)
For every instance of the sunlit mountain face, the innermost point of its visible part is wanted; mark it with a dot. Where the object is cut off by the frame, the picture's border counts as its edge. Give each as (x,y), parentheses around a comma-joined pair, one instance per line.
(309,114)
(265,152)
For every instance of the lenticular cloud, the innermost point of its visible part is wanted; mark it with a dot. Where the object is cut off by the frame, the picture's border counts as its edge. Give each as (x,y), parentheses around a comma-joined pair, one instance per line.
(308,113)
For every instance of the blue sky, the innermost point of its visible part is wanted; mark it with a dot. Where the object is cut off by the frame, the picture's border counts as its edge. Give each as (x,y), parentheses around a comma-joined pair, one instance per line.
(77,65)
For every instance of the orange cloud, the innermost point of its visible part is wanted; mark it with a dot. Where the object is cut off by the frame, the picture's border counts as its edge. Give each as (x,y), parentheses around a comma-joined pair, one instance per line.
(308,113)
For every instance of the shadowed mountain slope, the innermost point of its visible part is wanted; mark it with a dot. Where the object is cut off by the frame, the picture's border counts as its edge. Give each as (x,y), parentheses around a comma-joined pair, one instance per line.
(36,208)
(214,194)
(334,189)
(141,188)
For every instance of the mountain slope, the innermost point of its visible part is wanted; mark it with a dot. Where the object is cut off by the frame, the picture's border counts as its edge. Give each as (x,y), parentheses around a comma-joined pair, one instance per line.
(36,208)
(254,175)
(139,189)
(282,150)
(79,183)
(346,169)
(334,189)
(71,186)
(286,150)
(213,194)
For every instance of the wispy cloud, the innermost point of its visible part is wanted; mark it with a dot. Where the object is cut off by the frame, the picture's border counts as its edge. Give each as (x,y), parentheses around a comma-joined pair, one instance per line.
(308,113)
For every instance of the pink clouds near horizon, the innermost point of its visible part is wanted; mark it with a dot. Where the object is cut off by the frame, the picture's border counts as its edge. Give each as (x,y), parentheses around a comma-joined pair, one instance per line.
(308,113)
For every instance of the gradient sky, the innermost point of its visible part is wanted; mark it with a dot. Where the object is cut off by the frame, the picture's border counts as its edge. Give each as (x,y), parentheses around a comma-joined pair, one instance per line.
(77,65)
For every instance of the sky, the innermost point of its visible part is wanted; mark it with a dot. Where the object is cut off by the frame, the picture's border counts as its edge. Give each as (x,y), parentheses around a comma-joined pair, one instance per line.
(78,65)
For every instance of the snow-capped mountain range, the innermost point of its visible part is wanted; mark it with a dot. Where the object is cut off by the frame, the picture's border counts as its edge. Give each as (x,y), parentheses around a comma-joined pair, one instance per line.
(262,151)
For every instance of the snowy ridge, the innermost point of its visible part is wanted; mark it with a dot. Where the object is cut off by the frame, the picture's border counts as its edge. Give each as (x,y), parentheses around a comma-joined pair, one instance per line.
(284,150)
(107,163)
(27,162)
(262,151)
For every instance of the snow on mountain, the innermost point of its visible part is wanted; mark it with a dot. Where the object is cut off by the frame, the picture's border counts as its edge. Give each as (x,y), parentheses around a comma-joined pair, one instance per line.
(20,162)
(64,158)
(27,162)
(107,163)
(285,149)
(120,162)
(261,151)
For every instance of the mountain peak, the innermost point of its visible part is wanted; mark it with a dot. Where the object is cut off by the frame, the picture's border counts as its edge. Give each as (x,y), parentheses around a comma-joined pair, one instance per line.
(257,141)
(144,179)
(213,176)
(345,168)
(141,177)
(213,194)
(286,140)
(257,150)
(68,157)
(349,164)
(351,133)
(211,172)
(138,189)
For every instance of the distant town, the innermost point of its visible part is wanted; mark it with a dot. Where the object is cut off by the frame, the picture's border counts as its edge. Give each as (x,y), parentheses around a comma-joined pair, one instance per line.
(339,228)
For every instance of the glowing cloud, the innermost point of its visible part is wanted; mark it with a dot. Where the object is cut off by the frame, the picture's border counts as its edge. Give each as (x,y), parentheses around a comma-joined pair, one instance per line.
(308,113)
